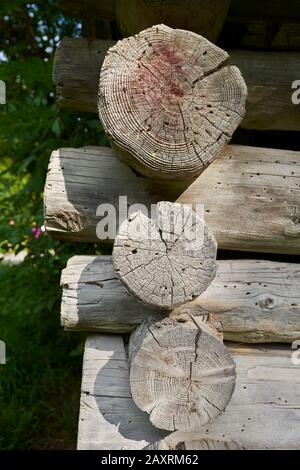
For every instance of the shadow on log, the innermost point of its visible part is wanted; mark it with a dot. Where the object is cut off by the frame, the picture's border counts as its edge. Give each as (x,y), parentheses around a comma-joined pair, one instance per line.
(249,301)
(180,373)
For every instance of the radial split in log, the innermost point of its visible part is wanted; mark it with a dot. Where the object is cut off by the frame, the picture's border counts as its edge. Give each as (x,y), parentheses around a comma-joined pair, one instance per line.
(168,102)
(167,261)
(205,17)
(181,373)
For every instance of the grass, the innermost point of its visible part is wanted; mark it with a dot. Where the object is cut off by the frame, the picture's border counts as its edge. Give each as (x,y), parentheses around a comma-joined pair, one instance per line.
(40,384)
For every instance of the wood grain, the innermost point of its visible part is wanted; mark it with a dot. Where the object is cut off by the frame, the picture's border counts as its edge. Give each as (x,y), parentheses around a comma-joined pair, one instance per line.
(250,301)
(168,259)
(251,196)
(268,76)
(264,412)
(169,102)
(181,374)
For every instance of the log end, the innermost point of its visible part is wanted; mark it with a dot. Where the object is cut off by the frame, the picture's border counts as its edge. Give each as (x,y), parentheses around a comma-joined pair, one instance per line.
(181,374)
(166,260)
(168,101)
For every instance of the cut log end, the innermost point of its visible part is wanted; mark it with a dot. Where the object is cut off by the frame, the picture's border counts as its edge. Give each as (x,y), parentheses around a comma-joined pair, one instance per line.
(181,374)
(168,102)
(168,261)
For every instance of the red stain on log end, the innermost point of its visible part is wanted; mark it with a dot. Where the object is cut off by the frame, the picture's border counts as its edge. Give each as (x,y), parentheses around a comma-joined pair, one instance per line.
(160,79)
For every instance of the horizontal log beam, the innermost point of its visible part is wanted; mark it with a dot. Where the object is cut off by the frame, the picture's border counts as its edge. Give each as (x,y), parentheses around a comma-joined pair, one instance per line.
(251,196)
(94,9)
(265,404)
(249,301)
(275,9)
(268,75)
(239,33)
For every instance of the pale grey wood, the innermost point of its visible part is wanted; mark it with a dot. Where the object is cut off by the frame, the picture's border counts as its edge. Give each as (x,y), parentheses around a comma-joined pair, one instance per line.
(181,443)
(264,412)
(79,180)
(180,373)
(268,76)
(166,260)
(108,417)
(251,195)
(248,301)
(75,80)
(91,288)
(168,102)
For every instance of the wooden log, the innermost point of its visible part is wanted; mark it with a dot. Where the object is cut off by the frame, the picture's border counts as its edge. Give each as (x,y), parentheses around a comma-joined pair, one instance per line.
(273,9)
(181,374)
(250,196)
(97,9)
(240,33)
(184,443)
(76,82)
(168,102)
(263,413)
(268,76)
(109,419)
(205,17)
(248,301)
(168,260)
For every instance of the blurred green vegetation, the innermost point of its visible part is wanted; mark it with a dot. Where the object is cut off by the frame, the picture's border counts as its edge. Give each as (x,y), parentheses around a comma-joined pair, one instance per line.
(39,386)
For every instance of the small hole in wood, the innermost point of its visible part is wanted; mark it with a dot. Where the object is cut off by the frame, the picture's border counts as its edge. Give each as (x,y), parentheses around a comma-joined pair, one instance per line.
(134,251)
(205,52)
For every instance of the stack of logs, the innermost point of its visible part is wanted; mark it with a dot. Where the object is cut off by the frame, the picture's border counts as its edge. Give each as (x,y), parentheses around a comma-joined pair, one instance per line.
(169,103)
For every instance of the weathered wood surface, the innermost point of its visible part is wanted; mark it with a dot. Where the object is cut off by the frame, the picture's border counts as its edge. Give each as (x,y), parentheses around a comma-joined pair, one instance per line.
(81,76)
(251,196)
(205,17)
(167,259)
(264,412)
(181,373)
(168,102)
(181,443)
(249,300)
(268,76)
(108,418)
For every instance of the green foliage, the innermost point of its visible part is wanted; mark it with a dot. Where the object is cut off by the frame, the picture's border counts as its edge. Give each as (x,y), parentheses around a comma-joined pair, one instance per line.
(31,124)
(39,386)
(39,393)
